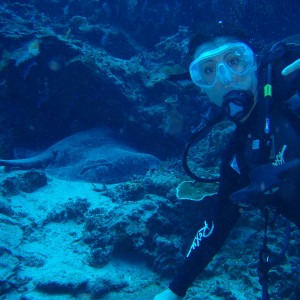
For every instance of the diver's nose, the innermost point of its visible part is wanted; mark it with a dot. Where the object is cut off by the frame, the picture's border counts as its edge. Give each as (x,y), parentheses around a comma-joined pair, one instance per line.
(224,74)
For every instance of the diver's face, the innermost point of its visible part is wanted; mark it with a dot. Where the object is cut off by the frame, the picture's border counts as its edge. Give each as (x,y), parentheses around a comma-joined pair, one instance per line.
(224,65)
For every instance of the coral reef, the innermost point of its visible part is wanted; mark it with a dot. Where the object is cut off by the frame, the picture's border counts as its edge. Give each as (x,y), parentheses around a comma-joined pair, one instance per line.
(69,66)
(189,190)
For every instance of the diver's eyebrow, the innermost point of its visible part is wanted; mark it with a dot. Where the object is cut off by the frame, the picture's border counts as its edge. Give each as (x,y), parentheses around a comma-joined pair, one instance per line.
(209,60)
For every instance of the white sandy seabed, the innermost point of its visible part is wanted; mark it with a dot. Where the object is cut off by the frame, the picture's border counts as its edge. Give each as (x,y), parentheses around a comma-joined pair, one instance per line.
(54,255)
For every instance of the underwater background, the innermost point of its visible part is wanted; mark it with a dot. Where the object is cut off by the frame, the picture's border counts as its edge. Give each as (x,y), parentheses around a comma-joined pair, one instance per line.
(86,96)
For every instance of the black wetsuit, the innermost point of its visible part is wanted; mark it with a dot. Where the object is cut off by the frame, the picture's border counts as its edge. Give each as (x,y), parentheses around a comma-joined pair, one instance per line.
(225,214)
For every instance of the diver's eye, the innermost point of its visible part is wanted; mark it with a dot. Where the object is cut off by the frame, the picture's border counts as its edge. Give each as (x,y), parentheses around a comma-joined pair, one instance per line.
(233,62)
(209,70)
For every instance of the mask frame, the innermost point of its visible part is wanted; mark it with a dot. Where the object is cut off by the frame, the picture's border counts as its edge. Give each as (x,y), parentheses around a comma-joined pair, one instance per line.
(224,61)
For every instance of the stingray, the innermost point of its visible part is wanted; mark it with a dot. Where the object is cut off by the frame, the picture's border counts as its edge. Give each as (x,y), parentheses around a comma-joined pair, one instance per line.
(92,156)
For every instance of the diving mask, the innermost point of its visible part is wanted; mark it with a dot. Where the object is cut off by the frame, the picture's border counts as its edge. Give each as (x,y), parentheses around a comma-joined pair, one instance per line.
(222,63)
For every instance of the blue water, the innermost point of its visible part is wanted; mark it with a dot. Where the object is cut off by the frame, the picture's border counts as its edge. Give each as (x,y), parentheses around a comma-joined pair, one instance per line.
(69,65)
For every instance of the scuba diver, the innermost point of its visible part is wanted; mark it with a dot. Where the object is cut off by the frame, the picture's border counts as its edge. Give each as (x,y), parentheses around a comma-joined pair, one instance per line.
(261,164)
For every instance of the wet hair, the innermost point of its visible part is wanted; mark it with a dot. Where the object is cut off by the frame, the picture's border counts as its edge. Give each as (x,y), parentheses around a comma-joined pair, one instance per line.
(218,30)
